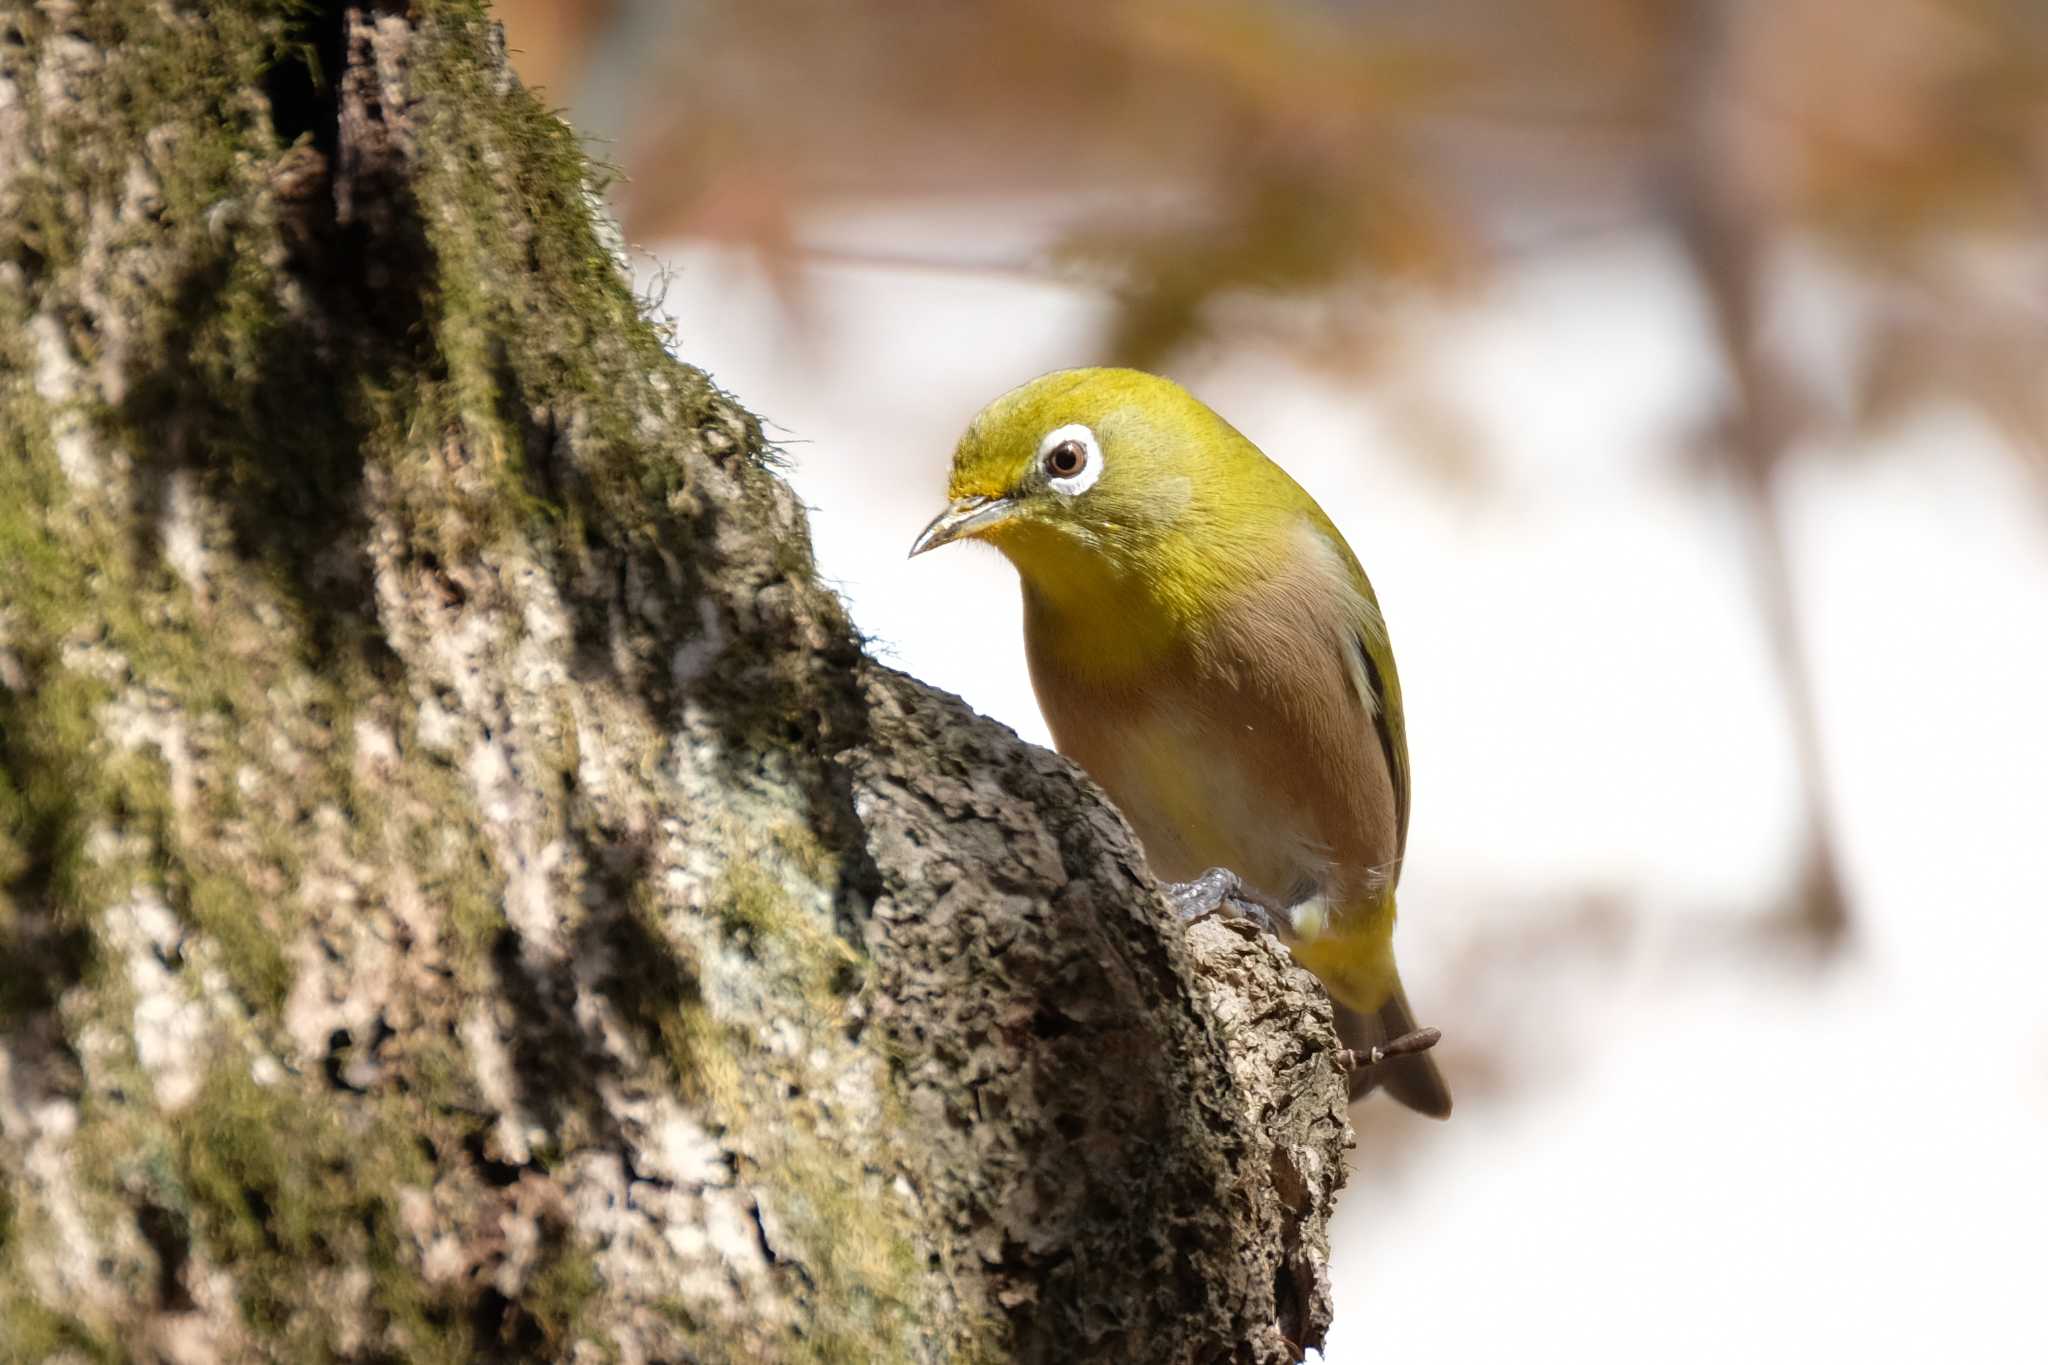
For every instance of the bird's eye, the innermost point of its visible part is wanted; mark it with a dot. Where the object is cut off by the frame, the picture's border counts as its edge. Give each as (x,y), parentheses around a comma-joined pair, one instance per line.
(1065,460)
(1071,458)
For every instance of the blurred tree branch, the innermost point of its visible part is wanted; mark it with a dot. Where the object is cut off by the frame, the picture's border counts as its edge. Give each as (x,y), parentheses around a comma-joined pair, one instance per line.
(1727,228)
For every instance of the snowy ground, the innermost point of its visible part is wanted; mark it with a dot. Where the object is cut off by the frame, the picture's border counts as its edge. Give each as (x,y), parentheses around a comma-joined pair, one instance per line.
(1668,1146)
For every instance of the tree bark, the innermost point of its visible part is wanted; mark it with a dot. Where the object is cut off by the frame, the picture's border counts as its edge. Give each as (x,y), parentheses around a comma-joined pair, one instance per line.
(464,892)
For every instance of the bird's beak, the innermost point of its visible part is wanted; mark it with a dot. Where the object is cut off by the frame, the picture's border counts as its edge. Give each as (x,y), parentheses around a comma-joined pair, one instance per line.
(965,517)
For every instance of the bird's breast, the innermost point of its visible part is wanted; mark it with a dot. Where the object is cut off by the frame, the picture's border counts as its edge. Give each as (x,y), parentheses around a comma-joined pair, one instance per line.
(1200,786)
(1248,749)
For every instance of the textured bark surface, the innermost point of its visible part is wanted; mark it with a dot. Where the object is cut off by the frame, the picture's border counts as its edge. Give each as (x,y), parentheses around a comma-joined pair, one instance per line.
(463,891)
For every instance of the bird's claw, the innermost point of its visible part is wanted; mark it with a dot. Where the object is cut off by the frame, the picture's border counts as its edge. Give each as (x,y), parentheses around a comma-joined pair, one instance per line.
(1220,891)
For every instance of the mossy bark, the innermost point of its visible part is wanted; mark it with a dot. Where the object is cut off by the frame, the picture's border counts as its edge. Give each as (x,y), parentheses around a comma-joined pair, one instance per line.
(463,891)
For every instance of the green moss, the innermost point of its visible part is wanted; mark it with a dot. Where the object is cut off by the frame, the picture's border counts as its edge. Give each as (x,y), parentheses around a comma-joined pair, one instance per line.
(802,850)
(678,1312)
(72,578)
(559,1296)
(49,784)
(421,1324)
(31,1333)
(45,782)
(752,903)
(283,1185)
(47,586)
(866,1279)
(862,1269)
(746,899)
(563,335)
(251,951)
(250,1157)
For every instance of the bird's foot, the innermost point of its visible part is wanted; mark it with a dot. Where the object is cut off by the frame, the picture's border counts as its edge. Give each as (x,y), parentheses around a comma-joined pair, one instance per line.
(1409,1043)
(1219,891)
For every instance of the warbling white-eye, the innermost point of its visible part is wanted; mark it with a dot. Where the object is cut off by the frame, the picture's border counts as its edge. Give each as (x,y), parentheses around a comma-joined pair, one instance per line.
(1204,643)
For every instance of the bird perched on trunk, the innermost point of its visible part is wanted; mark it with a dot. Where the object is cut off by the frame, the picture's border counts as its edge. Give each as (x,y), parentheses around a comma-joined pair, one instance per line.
(1206,646)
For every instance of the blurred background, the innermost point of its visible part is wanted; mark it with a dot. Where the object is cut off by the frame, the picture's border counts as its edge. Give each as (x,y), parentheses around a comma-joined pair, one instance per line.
(1679,370)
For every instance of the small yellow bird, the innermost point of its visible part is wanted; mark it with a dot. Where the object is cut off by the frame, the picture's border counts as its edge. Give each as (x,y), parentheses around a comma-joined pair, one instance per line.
(1206,646)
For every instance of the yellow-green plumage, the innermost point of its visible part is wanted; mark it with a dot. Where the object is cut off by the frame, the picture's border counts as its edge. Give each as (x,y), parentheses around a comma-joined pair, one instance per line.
(1204,643)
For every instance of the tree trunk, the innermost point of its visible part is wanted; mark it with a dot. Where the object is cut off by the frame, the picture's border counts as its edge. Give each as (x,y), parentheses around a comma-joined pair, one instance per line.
(463,890)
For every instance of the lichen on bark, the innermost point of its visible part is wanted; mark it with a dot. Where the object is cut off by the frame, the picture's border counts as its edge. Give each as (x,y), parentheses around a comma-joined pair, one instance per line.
(464,889)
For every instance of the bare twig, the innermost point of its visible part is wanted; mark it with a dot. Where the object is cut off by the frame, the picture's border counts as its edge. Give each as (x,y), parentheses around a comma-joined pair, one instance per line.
(1409,1043)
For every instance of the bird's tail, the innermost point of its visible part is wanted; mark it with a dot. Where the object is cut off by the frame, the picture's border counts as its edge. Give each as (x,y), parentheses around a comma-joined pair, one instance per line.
(1413,1079)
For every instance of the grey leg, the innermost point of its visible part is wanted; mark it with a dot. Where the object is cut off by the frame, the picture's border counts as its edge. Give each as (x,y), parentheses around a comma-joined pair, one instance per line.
(1221,891)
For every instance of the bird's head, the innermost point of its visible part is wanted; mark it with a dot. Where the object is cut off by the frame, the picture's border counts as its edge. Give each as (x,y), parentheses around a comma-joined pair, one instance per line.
(1081,474)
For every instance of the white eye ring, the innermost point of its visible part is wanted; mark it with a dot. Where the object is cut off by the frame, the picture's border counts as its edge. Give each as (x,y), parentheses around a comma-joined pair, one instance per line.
(1082,479)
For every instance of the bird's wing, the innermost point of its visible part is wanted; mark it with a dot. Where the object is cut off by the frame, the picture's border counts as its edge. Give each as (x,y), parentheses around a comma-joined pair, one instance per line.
(1370,662)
